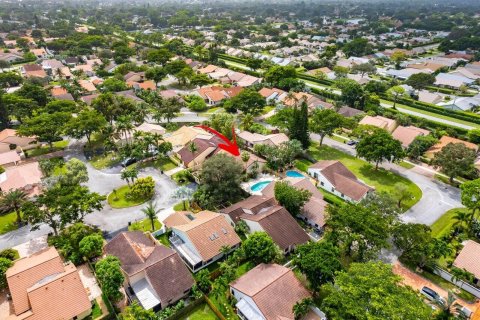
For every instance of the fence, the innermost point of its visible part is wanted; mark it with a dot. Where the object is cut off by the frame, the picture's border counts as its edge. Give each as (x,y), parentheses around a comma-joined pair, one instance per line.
(459,283)
(187,309)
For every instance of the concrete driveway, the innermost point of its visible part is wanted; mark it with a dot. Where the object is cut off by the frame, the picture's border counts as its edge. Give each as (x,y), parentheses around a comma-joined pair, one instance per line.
(437,197)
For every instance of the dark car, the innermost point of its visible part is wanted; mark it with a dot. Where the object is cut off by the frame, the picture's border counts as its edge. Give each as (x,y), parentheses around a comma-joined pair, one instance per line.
(128,161)
(352,142)
(432,295)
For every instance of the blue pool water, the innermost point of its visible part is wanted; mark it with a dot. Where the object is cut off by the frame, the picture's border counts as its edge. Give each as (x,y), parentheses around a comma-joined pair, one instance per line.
(294,174)
(259,186)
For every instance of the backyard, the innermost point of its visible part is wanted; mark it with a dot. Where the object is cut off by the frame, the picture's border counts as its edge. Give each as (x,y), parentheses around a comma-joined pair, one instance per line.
(381,179)
(200,312)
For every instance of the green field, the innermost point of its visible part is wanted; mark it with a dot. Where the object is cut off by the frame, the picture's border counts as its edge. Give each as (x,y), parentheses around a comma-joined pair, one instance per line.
(118,199)
(381,179)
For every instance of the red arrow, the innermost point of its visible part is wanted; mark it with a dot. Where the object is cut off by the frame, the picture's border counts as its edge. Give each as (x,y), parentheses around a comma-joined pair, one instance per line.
(229,146)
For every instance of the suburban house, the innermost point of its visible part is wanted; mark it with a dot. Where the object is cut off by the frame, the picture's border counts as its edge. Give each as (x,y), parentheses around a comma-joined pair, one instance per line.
(134,76)
(334,177)
(200,241)
(10,140)
(27,177)
(254,162)
(215,94)
(9,158)
(446,140)
(204,148)
(313,212)
(33,71)
(251,138)
(145,127)
(452,81)
(87,86)
(429,97)
(469,259)
(44,287)
(155,275)
(11,57)
(269,291)
(273,95)
(349,112)
(312,101)
(462,103)
(262,213)
(184,135)
(406,135)
(379,122)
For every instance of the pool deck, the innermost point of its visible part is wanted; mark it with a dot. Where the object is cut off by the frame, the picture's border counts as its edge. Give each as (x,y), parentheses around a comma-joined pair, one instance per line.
(247,186)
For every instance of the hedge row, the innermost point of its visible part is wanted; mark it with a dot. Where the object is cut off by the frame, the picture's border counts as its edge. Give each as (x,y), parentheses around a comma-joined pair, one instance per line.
(460,115)
(450,91)
(326,94)
(231,58)
(314,79)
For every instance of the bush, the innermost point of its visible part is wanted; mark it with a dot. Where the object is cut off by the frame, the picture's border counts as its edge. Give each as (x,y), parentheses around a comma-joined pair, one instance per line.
(142,188)
(10,254)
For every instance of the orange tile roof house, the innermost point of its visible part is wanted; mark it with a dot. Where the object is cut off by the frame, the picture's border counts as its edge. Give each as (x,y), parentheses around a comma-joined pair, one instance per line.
(379,122)
(27,177)
(406,135)
(33,70)
(205,148)
(268,291)
(43,287)
(273,95)
(446,140)
(313,212)
(155,274)
(337,179)
(9,138)
(214,95)
(199,241)
(251,138)
(469,259)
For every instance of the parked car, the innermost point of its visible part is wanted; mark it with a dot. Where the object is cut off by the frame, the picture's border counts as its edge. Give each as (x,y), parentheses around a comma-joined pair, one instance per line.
(352,142)
(128,161)
(464,311)
(432,295)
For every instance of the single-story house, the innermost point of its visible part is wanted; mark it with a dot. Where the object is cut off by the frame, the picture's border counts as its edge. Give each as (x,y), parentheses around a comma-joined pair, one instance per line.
(214,95)
(251,138)
(10,140)
(268,291)
(469,259)
(184,135)
(42,287)
(312,101)
(453,81)
(87,86)
(429,97)
(204,148)
(462,103)
(27,177)
(334,177)
(379,122)
(11,157)
(200,241)
(154,274)
(349,112)
(272,95)
(33,71)
(446,140)
(406,135)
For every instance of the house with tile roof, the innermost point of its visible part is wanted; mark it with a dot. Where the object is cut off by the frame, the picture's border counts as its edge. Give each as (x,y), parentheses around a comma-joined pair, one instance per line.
(204,148)
(379,122)
(9,139)
(273,95)
(407,134)
(334,177)
(252,138)
(184,135)
(155,275)
(469,259)
(268,291)
(33,71)
(27,177)
(445,140)
(43,287)
(214,95)
(200,240)
(314,210)
(263,214)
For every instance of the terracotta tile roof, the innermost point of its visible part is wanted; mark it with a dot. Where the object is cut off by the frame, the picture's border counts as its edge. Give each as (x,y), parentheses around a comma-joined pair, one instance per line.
(406,135)
(217,94)
(163,267)
(208,69)
(26,176)
(40,283)
(469,258)
(379,122)
(252,204)
(201,229)
(267,92)
(446,140)
(56,91)
(186,134)
(87,85)
(342,179)
(147,85)
(348,111)
(202,145)
(273,288)
(9,157)
(177,218)
(279,224)
(32,67)
(254,138)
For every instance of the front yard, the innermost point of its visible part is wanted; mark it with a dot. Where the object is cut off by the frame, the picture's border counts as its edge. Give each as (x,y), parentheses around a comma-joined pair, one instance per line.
(145,225)
(57,146)
(118,198)
(104,161)
(444,224)
(8,222)
(381,179)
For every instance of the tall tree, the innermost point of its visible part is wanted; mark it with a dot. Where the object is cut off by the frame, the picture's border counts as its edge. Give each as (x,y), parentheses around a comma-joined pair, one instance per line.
(420,80)
(151,212)
(110,276)
(85,124)
(259,247)
(396,92)
(325,122)
(365,291)
(248,101)
(166,108)
(415,242)
(47,127)
(352,93)
(454,159)
(380,146)
(471,198)
(299,125)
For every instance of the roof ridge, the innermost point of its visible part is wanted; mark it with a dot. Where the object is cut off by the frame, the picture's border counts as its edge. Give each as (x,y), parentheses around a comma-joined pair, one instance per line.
(284,272)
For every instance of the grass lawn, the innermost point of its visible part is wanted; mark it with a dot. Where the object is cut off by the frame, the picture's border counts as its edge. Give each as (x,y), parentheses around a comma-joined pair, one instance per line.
(182,178)
(96,311)
(201,312)
(104,161)
(406,165)
(381,179)
(331,198)
(164,239)
(244,268)
(302,164)
(57,146)
(163,164)
(8,222)
(119,200)
(144,225)
(222,304)
(444,224)
(179,206)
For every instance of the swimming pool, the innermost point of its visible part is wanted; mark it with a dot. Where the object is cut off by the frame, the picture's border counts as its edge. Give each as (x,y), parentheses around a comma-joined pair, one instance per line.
(259,186)
(294,174)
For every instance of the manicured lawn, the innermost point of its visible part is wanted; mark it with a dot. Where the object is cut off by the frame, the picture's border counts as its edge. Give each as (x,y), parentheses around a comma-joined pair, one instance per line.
(163,164)
(104,161)
(302,164)
(8,222)
(179,206)
(244,268)
(57,146)
(444,224)
(119,200)
(201,312)
(381,180)
(222,304)
(145,225)
(406,165)
(183,178)
(331,198)
(164,239)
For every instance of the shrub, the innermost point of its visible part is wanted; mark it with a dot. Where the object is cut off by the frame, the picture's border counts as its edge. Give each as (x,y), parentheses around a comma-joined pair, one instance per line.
(10,254)
(142,188)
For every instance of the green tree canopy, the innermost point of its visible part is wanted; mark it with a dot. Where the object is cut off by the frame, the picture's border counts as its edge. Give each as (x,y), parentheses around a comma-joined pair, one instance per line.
(248,101)
(454,159)
(259,247)
(291,198)
(110,276)
(380,146)
(325,122)
(421,80)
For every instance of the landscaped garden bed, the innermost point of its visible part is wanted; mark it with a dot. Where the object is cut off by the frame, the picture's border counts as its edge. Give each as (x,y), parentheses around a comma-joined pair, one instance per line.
(119,199)
(145,225)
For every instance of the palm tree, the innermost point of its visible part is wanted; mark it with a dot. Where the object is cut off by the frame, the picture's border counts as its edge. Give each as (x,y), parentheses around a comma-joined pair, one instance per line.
(192,147)
(13,200)
(446,307)
(124,126)
(247,121)
(462,219)
(151,212)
